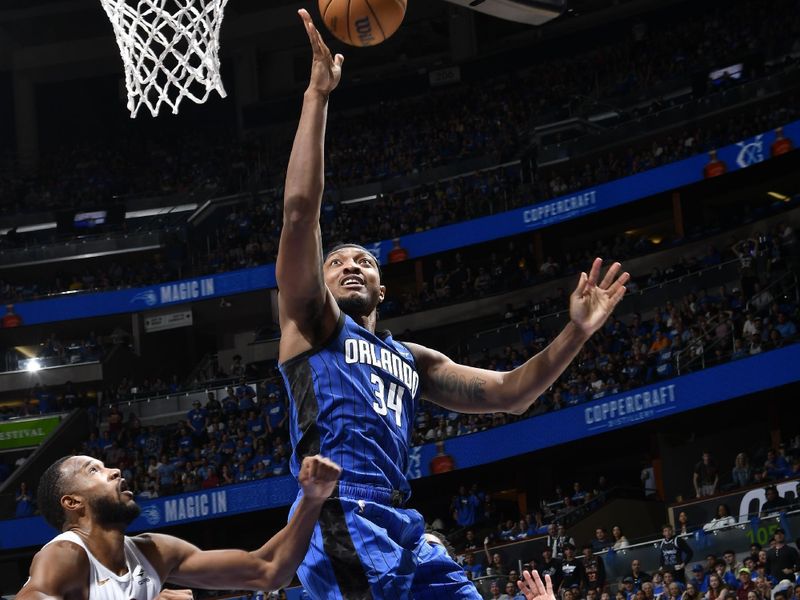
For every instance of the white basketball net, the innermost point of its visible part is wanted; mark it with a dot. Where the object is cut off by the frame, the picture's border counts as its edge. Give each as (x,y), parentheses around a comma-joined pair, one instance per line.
(170,49)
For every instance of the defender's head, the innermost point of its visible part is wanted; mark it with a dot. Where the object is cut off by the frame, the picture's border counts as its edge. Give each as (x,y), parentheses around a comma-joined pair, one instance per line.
(76,487)
(352,274)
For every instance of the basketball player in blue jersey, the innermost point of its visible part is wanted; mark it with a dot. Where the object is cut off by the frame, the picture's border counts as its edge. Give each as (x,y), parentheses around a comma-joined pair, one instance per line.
(354,391)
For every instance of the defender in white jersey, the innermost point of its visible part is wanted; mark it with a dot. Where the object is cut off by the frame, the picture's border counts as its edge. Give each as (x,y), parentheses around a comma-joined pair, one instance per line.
(93,559)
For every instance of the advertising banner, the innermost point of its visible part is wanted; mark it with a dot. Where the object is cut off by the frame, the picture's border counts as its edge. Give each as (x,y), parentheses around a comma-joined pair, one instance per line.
(743,504)
(654,401)
(745,153)
(26,433)
(615,412)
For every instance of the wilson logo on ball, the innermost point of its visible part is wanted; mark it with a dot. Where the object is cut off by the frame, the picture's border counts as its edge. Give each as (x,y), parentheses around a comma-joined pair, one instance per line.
(362,22)
(364,29)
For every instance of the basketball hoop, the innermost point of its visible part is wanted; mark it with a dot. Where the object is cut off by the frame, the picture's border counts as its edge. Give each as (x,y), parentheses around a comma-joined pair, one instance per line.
(170,50)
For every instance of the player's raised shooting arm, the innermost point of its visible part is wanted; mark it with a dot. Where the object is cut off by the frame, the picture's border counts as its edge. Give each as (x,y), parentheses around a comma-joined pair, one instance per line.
(59,571)
(299,264)
(471,390)
(270,567)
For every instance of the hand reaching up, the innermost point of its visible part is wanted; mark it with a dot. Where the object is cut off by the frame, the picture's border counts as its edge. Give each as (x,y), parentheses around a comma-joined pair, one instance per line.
(533,588)
(326,70)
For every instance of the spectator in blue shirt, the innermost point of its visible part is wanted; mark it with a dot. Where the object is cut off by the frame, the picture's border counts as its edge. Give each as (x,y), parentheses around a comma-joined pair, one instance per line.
(776,467)
(230,404)
(245,395)
(728,578)
(280,465)
(185,439)
(243,452)
(197,418)
(698,579)
(166,475)
(24,502)
(472,567)
(465,507)
(276,415)
(242,473)
(45,398)
(153,443)
(785,326)
(627,587)
(255,424)
(601,540)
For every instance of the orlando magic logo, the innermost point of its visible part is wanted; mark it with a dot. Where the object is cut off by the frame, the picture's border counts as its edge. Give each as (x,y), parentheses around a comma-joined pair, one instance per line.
(751,152)
(151,515)
(148,297)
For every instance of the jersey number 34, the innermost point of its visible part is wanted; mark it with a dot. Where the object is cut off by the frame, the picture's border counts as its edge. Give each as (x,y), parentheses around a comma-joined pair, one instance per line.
(390,398)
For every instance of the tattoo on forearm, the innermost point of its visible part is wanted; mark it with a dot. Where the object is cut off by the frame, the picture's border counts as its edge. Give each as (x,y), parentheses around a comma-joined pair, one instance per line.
(453,384)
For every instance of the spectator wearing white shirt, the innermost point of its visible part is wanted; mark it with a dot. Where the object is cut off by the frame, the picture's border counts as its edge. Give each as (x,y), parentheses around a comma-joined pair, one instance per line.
(723,519)
(620,541)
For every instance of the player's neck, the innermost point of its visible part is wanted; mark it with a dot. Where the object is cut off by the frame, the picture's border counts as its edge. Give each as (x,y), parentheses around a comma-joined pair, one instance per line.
(368,322)
(106,543)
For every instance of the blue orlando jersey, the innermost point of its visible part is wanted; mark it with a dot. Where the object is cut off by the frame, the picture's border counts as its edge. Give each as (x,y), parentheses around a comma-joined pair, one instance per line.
(353,401)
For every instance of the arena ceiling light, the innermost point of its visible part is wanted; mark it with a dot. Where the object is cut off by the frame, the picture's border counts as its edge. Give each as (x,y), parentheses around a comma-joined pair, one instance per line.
(530,12)
(779,196)
(133,214)
(362,199)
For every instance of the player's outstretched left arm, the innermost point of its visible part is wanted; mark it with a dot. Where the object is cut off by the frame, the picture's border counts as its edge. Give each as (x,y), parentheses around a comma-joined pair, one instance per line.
(470,390)
(533,588)
(270,567)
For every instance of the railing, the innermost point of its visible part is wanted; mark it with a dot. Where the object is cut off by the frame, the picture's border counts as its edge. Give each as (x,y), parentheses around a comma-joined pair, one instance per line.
(687,359)
(781,281)
(737,537)
(633,125)
(509,333)
(696,350)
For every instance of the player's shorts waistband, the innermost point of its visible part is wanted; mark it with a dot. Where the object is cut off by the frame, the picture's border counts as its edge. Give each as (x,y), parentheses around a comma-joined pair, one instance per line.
(359,491)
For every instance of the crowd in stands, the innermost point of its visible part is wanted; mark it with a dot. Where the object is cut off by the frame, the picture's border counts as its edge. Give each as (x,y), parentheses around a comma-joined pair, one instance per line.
(242,436)
(398,137)
(579,570)
(768,464)
(507,266)
(247,238)
(248,235)
(704,327)
(474,515)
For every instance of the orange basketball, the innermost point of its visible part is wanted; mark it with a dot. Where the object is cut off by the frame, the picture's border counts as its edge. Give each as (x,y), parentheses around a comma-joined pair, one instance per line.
(362,22)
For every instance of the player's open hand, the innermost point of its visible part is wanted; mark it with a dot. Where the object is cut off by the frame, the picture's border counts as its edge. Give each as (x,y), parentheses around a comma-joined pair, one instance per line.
(318,477)
(533,588)
(594,300)
(326,70)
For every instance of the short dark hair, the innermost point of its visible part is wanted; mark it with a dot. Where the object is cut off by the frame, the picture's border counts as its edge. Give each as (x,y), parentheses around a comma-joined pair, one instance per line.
(49,492)
(338,247)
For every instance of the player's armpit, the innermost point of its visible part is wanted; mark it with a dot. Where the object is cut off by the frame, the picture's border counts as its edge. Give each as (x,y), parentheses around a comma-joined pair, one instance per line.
(60,571)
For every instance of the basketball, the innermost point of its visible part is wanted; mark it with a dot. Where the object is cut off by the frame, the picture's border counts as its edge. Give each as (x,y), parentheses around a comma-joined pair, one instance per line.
(362,22)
